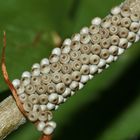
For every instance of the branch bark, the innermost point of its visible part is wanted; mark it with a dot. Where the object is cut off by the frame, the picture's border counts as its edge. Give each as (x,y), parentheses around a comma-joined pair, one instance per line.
(11,117)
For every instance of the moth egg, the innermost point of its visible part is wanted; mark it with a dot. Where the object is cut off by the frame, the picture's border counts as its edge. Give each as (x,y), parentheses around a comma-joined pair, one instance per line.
(64,58)
(45,69)
(126,22)
(116,19)
(75,45)
(33,116)
(66,49)
(120,51)
(81,85)
(66,79)
(67,92)
(96,38)
(96,21)
(104,54)
(40,126)
(35,80)
(137,38)
(67,42)
(102,63)
(26,74)
(50,106)
(27,106)
(36,108)
(55,67)
(76,75)
(23,97)
(76,37)
(106,24)
(35,72)
(56,51)
(100,70)
(36,66)
(93,69)
(125,11)
(134,27)
(94,59)
(90,76)
(131,36)
(84,78)
(52,123)
(20,89)
(44,61)
(33,98)
(60,88)
(16,83)
(85,38)
(48,130)
(115,58)
(74,85)
(43,107)
(30,89)
(41,89)
(94,29)
(110,59)
(60,99)
(123,43)
(116,10)
(56,107)
(135,17)
(53,58)
(84,30)
(113,50)
(84,58)
(104,32)
(25,81)
(105,43)
(85,70)
(43,99)
(53,98)
(129,44)
(43,116)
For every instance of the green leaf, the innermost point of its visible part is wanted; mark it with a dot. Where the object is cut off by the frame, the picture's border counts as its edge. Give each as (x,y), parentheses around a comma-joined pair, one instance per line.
(29,26)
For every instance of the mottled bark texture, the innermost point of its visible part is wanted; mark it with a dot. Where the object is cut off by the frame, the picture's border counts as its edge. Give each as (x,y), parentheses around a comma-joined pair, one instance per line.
(11,117)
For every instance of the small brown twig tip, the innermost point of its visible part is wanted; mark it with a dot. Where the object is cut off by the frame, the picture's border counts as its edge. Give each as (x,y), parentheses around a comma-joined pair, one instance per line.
(4,32)
(4,39)
(45,137)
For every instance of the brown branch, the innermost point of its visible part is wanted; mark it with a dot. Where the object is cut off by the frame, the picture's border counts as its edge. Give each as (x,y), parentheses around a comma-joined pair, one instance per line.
(10,115)
(6,77)
(44,137)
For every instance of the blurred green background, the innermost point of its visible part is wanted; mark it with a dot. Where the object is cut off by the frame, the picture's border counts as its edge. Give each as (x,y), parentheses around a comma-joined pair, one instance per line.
(108,108)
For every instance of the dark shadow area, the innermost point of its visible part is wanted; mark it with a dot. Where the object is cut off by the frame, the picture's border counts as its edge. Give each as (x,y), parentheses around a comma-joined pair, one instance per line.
(136,137)
(74,9)
(89,122)
(4,94)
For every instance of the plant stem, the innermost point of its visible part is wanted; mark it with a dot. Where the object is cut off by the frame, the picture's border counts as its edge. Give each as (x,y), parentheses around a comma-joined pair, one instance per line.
(11,117)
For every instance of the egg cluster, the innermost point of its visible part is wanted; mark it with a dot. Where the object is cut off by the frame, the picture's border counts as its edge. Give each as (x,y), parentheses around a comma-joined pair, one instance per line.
(68,69)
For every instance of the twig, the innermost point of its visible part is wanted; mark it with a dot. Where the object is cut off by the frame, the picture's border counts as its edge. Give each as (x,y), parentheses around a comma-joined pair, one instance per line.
(44,137)
(11,117)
